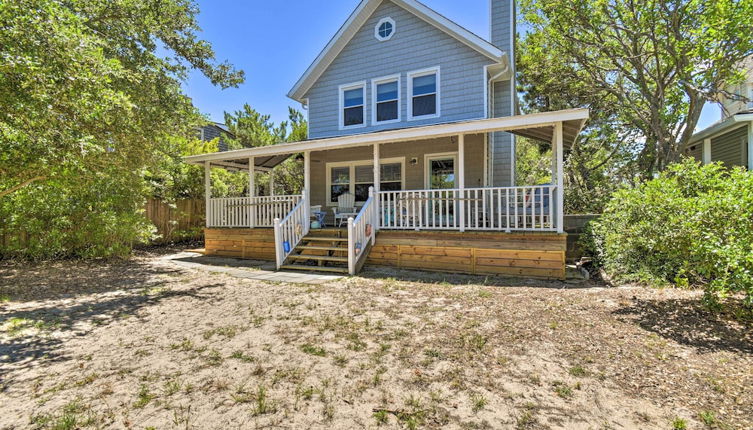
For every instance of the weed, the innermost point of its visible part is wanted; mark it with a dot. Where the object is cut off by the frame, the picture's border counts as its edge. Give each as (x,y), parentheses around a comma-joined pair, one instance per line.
(340,360)
(240,355)
(86,380)
(356,344)
(563,390)
(262,405)
(227,332)
(381,417)
(484,294)
(171,387)
(214,358)
(143,397)
(708,418)
(433,353)
(478,402)
(313,350)
(679,424)
(578,371)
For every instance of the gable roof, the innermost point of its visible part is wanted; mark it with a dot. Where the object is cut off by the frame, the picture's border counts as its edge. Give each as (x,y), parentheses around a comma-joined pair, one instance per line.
(359,17)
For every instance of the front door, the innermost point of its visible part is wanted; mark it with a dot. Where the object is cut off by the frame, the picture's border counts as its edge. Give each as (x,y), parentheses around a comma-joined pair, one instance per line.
(441,175)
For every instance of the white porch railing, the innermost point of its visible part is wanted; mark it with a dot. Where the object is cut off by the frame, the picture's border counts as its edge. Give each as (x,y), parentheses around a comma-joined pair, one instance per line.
(495,209)
(289,232)
(249,211)
(362,231)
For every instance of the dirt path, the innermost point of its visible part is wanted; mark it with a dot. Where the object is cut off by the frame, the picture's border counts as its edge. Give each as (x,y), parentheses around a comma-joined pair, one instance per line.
(145,343)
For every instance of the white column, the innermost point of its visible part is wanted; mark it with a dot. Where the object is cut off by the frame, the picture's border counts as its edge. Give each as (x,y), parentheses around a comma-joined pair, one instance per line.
(750,145)
(251,192)
(377,186)
(207,191)
(272,182)
(560,154)
(461,179)
(307,183)
(706,154)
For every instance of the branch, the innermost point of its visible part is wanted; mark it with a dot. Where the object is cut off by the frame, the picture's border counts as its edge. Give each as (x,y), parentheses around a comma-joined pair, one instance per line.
(21,185)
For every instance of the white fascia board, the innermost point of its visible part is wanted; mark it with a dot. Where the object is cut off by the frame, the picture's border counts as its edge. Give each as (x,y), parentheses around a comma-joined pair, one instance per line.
(359,17)
(518,122)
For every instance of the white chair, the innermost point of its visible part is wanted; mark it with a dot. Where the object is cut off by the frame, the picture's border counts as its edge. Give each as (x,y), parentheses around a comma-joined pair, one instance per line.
(346,208)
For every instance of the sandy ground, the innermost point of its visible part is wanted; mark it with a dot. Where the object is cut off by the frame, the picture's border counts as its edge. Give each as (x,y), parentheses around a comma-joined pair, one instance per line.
(146,344)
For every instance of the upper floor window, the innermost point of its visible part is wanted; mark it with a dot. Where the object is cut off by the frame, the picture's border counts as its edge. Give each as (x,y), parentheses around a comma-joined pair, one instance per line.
(386,99)
(352,105)
(423,92)
(384,29)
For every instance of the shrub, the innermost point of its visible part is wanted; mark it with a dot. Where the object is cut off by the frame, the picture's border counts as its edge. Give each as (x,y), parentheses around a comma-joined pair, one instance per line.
(691,226)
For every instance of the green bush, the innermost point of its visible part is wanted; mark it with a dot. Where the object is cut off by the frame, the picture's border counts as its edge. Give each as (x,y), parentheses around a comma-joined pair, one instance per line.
(691,226)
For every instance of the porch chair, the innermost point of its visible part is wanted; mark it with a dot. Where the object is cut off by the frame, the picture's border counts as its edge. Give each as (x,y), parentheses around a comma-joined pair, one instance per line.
(346,208)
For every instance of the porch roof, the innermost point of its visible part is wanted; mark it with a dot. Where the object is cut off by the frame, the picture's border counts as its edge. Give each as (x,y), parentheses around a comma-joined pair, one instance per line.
(539,126)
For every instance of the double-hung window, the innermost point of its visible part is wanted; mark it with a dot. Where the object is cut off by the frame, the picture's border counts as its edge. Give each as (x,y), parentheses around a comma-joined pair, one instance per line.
(358,176)
(386,99)
(423,93)
(352,105)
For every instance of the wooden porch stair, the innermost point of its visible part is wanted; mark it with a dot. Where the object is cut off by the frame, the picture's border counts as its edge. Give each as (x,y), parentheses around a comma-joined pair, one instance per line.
(324,250)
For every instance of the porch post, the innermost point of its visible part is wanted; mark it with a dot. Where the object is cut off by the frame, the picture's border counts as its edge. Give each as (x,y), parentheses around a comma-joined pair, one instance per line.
(207,192)
(251,192)
(307,184)
(706,154)
(272,182)
(559,153)
(750,146)
(461,179)
(377,182)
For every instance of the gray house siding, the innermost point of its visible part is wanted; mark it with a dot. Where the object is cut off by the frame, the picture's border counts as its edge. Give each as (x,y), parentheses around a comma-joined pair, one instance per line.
(415,45)
(695,151)
(731,148)
(502,144)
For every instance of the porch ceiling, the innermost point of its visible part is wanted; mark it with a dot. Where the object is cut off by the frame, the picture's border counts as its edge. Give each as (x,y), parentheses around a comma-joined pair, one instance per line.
(539,126)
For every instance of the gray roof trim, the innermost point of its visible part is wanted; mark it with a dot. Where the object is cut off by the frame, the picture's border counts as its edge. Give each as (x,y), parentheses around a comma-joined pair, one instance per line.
(722,126)
(357,19)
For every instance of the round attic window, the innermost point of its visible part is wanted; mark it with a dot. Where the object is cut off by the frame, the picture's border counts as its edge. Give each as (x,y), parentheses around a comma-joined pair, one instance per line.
(384,29)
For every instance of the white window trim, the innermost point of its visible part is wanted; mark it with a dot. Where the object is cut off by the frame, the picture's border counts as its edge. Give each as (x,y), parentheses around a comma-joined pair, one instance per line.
(438,156)
(379,24)
(352,165)
(416,74)
(341,115)
(383,80)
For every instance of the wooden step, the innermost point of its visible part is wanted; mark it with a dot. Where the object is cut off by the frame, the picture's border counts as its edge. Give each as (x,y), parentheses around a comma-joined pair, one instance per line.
(322,248)
(314,268)
(325,239)
(318,258)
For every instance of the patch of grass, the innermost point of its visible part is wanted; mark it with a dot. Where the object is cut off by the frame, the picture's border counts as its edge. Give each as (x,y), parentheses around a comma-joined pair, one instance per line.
(313,350)
(340,360)
(484,294)
(86,380)
(708,418)
(679,424)
(242,356)
(171,387)
(144,397)
(4,298)
(227,332)
(381,417)
(578,371)
(16,326)
(433,353)
(478,402)
(262,405)
(356,344)
(214,358)
(563,390)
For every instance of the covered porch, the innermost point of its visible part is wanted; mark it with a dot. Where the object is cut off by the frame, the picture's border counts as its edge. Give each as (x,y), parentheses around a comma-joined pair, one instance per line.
(432,178)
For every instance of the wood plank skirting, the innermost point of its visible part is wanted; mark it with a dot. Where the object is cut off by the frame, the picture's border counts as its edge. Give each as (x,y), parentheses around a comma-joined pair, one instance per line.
(540,255)
(249,243)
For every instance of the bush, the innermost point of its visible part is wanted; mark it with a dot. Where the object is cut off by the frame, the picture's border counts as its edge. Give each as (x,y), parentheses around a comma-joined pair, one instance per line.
(691,226)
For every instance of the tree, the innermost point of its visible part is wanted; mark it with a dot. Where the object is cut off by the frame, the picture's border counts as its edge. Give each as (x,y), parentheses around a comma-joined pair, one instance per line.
(84,87)
(253,129)
(655,62)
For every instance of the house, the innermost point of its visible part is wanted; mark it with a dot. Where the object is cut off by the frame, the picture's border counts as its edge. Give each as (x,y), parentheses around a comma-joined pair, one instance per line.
(214,130)
(730,140)
(414,118)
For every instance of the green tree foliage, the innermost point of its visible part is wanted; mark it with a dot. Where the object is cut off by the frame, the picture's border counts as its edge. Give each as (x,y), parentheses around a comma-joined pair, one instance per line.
(691,226)
(253,129)
(652,65)
(90,101)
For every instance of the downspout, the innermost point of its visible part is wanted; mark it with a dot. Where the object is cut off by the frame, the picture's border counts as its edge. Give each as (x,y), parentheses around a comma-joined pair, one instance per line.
(490,88)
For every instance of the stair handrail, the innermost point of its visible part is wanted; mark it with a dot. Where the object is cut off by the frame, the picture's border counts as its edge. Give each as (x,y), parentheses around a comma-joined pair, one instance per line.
(358,236)
(288,231)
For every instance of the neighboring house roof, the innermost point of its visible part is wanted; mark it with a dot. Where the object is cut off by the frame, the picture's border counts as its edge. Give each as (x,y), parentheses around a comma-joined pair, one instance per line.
(722,126)
(358,18)
(222,127)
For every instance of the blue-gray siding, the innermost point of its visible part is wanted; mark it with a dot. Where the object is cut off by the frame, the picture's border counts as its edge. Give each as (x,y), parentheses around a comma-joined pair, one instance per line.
(416,45)
(501,144)
(731,148)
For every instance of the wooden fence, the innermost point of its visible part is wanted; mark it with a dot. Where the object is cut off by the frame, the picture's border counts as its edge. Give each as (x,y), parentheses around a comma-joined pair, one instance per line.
(182,220)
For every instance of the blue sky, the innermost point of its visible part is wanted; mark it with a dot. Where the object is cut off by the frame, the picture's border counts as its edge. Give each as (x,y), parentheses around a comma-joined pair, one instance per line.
(274,42)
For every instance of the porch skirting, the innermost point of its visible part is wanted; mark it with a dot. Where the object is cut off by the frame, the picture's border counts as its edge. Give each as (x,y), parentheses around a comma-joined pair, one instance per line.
(526,254)
(247,243)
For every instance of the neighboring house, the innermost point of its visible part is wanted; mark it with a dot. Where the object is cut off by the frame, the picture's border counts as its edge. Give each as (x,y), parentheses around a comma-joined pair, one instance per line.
(731,139)
(411,123)
(213,130)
